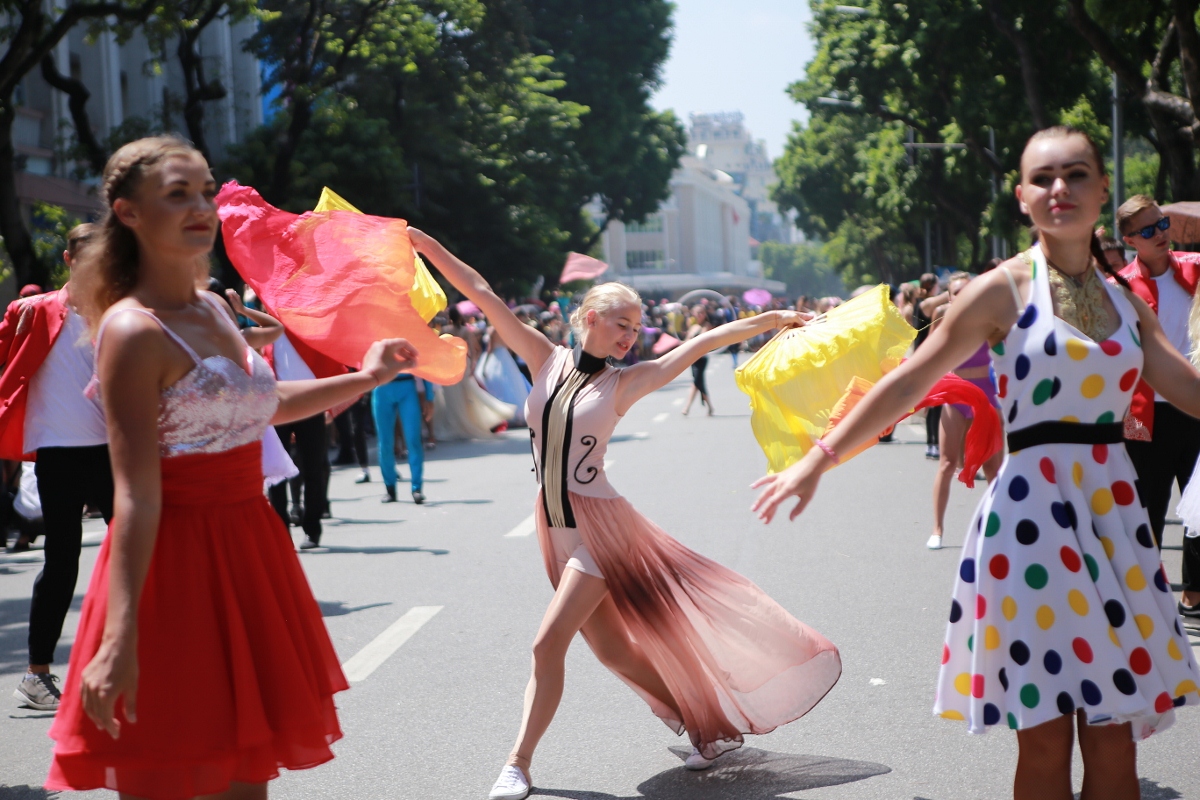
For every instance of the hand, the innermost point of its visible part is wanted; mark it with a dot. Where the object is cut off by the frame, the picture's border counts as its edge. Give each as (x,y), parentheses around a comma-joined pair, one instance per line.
(235,301)
(799,480)
(420,239)
(111,674)
(426,410)
(387,358)
(792,319)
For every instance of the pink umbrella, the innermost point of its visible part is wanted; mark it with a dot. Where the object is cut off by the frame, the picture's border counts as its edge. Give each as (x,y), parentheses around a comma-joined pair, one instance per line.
(757,297)
(581,267)
(665,344)
(467,308)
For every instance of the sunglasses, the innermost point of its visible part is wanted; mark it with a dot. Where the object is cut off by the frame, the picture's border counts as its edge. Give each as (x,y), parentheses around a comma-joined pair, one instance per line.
(1149,231)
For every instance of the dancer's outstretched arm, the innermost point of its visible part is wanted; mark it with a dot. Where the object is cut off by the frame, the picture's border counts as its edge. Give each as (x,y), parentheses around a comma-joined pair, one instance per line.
(983,311)
(529,343)
(384,360)
(641,379)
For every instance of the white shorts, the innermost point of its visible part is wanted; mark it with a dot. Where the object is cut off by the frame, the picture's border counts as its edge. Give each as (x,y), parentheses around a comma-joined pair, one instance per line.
(570,551)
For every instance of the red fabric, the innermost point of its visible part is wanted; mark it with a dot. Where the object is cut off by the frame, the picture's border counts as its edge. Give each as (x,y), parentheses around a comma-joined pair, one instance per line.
(985,437)
(236,673)
(1186,269)
(28,331)
(581,268)
(337,280)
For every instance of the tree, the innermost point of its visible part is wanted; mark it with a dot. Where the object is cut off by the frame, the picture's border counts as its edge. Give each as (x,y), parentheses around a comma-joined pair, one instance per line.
(610,54)
(1154,48)
(804,267)
(32,30)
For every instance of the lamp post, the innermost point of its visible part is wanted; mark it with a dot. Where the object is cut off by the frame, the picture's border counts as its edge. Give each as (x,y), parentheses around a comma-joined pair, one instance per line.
(1118,134)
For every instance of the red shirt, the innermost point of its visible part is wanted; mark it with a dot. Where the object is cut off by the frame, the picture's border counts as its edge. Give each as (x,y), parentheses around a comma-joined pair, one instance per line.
(29,329)
(1139,422)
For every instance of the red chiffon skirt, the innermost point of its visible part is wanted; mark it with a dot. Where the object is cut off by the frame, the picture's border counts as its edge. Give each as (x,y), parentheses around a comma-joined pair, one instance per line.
(734,660)
(236,673)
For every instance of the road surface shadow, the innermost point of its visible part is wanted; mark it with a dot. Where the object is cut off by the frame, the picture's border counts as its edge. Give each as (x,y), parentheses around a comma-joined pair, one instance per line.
(745,774)
(337,608)
(25,792)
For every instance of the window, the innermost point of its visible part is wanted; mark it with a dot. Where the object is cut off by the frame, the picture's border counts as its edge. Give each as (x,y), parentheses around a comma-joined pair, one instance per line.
(652,224)
(645,259)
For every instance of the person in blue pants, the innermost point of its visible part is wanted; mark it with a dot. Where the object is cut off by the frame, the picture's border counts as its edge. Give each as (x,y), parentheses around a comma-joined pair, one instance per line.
(400,397)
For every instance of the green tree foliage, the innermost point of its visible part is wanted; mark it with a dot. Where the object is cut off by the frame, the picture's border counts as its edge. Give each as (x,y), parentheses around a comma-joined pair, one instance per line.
(887,84)
(804,267)
(488,125)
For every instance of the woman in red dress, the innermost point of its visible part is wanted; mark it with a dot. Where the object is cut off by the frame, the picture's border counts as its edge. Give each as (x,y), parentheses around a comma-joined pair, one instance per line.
(202,665)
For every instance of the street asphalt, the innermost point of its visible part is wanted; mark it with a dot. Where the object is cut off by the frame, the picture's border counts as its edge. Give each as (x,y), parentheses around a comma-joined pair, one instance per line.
(433,610)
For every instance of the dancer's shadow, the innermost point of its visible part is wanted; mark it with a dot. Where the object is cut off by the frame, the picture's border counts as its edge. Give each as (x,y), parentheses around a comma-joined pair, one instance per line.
(25,793)
(745,774)
(337,608)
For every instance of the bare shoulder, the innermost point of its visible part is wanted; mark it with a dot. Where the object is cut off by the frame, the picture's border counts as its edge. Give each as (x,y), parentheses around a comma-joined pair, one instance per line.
(130,331)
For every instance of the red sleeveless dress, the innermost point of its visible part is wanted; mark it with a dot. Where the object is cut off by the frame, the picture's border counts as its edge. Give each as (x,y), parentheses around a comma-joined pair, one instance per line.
(236,672)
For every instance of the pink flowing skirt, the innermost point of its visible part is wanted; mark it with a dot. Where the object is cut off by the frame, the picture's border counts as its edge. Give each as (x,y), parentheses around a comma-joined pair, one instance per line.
(734,660)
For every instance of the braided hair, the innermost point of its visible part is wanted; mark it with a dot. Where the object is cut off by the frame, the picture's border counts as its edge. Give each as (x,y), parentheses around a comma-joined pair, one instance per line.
(1061,132)
(107,269)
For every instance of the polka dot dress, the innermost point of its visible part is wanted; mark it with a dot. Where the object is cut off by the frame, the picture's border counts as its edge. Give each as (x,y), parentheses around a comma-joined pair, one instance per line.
(1061,601)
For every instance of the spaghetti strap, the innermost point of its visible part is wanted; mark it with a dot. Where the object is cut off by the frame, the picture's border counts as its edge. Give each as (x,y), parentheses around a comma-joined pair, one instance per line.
(1016,293)
(211,298)
(187,348)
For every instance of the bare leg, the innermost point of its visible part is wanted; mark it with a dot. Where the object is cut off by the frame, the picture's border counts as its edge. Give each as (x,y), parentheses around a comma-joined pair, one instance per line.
(953,430)
(577,597)
(1044,761)
(691,399)
(1109,762)
(704,398)
(609,641)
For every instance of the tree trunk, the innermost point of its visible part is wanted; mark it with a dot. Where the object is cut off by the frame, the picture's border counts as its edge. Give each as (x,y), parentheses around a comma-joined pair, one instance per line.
(1029,72)
(17,240)
(78,96)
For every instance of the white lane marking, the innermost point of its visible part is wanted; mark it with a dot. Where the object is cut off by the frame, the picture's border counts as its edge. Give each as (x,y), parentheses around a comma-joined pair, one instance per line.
(367,660)
(608,463)
(660,417)
(640,435)
(678,401)
(524,528)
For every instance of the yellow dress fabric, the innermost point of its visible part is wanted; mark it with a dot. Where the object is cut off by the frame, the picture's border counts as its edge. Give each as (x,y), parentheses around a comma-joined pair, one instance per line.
(426,295)
(795,381)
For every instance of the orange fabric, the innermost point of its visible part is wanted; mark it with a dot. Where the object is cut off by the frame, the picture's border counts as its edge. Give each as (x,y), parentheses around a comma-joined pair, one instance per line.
(337,280)
(985,437)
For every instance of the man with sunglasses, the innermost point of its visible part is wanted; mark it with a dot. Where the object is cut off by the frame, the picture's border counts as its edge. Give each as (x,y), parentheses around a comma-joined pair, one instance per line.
(1163,442)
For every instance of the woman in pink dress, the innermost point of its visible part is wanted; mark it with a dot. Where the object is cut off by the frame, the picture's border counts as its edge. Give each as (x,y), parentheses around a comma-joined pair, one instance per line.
(706,649)
(201,665)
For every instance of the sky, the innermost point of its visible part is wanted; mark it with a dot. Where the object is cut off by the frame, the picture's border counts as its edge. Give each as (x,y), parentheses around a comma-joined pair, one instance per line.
(738,56)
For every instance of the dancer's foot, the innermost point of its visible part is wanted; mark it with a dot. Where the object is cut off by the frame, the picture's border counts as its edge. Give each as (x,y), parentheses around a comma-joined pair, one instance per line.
(39,691)
(390,497)
(418,497)
(935,542)
(1193,612)
(697,762)
(513,784)
(364,478)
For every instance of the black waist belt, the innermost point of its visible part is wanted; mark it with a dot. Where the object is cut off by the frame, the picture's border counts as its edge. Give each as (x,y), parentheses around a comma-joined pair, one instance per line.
(1065,433)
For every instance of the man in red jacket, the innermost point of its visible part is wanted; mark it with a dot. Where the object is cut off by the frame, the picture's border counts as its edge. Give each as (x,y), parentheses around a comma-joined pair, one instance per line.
(1163,442)
(47,362)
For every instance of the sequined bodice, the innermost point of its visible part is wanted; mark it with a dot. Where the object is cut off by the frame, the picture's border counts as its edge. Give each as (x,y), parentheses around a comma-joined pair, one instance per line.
(216,407)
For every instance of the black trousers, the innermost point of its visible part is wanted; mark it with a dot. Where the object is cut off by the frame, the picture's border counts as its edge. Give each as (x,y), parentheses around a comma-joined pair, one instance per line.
(68,479)
(312,454)
(698,381)
(351,427)
(933,418)
(1167,460)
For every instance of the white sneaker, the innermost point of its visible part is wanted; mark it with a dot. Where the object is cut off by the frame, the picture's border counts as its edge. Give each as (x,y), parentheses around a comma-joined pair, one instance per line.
(934,543)
(697,762)
(511,785)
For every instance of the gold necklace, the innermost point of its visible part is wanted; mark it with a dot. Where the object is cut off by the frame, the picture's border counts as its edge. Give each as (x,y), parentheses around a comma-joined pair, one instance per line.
(1080,300)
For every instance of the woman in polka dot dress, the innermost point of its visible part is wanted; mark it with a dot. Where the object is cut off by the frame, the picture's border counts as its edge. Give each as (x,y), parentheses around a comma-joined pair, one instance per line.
(1061,608)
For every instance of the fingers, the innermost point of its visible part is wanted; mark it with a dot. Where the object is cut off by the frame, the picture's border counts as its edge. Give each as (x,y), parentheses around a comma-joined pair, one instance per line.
(801,504)
(763,481)
(98,705)
(130,700)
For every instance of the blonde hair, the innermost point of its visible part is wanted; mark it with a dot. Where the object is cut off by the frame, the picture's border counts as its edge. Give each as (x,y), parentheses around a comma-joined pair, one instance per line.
(107,270)
(1130,209)
(604,299)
